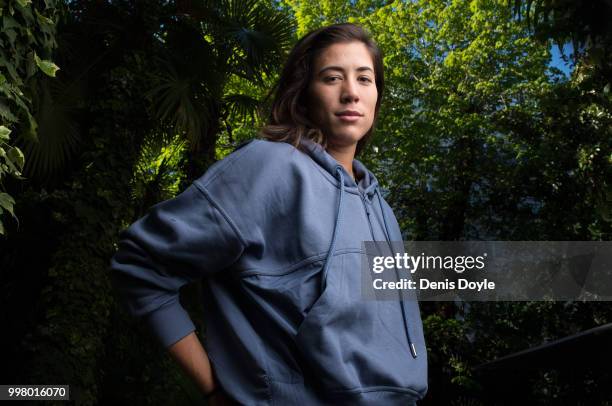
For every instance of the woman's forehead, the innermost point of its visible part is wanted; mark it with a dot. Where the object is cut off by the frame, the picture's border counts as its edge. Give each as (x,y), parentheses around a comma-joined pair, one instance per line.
(345,56)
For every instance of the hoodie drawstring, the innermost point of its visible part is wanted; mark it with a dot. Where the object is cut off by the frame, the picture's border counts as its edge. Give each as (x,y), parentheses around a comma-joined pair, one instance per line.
(332,246)
(402,303)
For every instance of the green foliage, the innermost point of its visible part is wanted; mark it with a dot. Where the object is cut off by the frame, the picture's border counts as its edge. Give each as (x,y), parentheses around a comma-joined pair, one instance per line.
(69,341)
(55,104)
(210,43)
(244,114)
(584,24)
(447,349)
(26,29)
(11,163)
(157,174)
(48,67)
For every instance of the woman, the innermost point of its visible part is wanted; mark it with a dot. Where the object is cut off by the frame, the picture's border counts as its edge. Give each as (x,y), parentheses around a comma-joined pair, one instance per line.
(275,230)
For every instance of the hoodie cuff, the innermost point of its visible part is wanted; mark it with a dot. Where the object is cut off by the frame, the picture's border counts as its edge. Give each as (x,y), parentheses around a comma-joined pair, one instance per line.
(170,323)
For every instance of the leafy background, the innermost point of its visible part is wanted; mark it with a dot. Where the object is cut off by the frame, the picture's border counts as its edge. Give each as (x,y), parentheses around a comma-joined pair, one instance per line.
(496,125)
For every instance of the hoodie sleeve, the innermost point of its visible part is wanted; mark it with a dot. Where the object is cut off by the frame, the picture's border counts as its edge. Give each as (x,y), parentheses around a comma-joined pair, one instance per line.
(178,241)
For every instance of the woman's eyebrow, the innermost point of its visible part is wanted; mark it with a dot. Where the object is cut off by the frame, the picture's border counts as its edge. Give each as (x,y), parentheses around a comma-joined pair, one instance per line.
(341,69)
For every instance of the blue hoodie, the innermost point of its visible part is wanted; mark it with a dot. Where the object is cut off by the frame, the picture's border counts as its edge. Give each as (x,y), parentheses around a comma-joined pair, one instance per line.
(276,235)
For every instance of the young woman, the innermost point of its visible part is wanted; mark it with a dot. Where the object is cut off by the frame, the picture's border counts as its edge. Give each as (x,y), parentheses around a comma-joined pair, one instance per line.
(275,231)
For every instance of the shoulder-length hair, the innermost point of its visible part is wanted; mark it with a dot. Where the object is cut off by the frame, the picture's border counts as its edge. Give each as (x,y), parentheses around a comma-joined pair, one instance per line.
(288,119)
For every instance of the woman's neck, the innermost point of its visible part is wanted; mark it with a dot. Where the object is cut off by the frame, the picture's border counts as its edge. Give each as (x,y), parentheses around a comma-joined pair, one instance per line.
(344,155)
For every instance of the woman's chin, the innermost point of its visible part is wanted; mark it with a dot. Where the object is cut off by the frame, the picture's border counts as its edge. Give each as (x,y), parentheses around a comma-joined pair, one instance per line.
(345,138)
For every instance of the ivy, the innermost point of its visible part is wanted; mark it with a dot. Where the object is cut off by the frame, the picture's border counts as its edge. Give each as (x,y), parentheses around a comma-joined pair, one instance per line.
(27,28)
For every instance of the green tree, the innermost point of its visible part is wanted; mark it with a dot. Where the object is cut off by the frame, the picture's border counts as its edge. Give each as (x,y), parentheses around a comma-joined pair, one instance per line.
(587,99)
(209,43)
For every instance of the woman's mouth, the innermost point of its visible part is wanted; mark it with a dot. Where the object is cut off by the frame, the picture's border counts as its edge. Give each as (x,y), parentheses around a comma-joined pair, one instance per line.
(349,116)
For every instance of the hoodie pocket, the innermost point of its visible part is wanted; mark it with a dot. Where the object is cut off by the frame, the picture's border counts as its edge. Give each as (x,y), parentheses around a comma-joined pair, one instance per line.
(352,345)
(317,312)
(286,302)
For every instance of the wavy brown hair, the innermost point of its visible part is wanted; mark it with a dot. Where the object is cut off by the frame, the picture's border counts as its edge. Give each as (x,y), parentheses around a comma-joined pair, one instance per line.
(288,118)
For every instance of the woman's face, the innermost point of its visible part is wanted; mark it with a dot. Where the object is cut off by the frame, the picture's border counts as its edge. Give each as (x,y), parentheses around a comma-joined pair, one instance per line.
(342,93)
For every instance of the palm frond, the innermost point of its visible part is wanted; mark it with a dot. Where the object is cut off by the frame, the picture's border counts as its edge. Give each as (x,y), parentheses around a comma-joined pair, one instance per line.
(259,34)
(55,103)
(242,107)
(187,81)
(181,101)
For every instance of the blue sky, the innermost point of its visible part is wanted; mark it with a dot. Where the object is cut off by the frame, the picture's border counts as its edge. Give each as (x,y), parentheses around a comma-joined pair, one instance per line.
(557,61)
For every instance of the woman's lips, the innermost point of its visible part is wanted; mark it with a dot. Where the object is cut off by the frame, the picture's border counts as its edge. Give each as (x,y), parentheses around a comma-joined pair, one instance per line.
(348,118)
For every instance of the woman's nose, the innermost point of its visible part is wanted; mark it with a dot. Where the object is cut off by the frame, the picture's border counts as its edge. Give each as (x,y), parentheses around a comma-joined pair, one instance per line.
(349,91)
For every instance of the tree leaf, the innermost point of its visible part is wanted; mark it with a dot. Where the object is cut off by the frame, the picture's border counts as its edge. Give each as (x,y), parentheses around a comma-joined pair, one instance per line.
(4,133)
(7,202)
(15,155)
(48,67)
(42,19)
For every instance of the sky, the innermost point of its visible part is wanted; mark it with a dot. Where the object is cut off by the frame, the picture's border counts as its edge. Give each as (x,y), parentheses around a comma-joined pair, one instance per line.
(557,60)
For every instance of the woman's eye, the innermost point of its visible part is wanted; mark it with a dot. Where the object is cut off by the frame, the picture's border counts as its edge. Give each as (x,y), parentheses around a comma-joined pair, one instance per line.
(366,79)
(331,78)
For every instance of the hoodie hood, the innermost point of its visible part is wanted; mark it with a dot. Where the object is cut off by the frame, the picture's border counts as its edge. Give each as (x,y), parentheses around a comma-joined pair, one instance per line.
(366,184)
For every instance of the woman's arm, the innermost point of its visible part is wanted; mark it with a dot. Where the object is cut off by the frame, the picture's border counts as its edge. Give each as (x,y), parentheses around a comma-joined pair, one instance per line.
(178,241)
(192,358)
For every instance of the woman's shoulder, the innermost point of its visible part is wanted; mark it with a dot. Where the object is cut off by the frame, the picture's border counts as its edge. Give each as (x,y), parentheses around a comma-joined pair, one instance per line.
(273,151)
(253,158)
